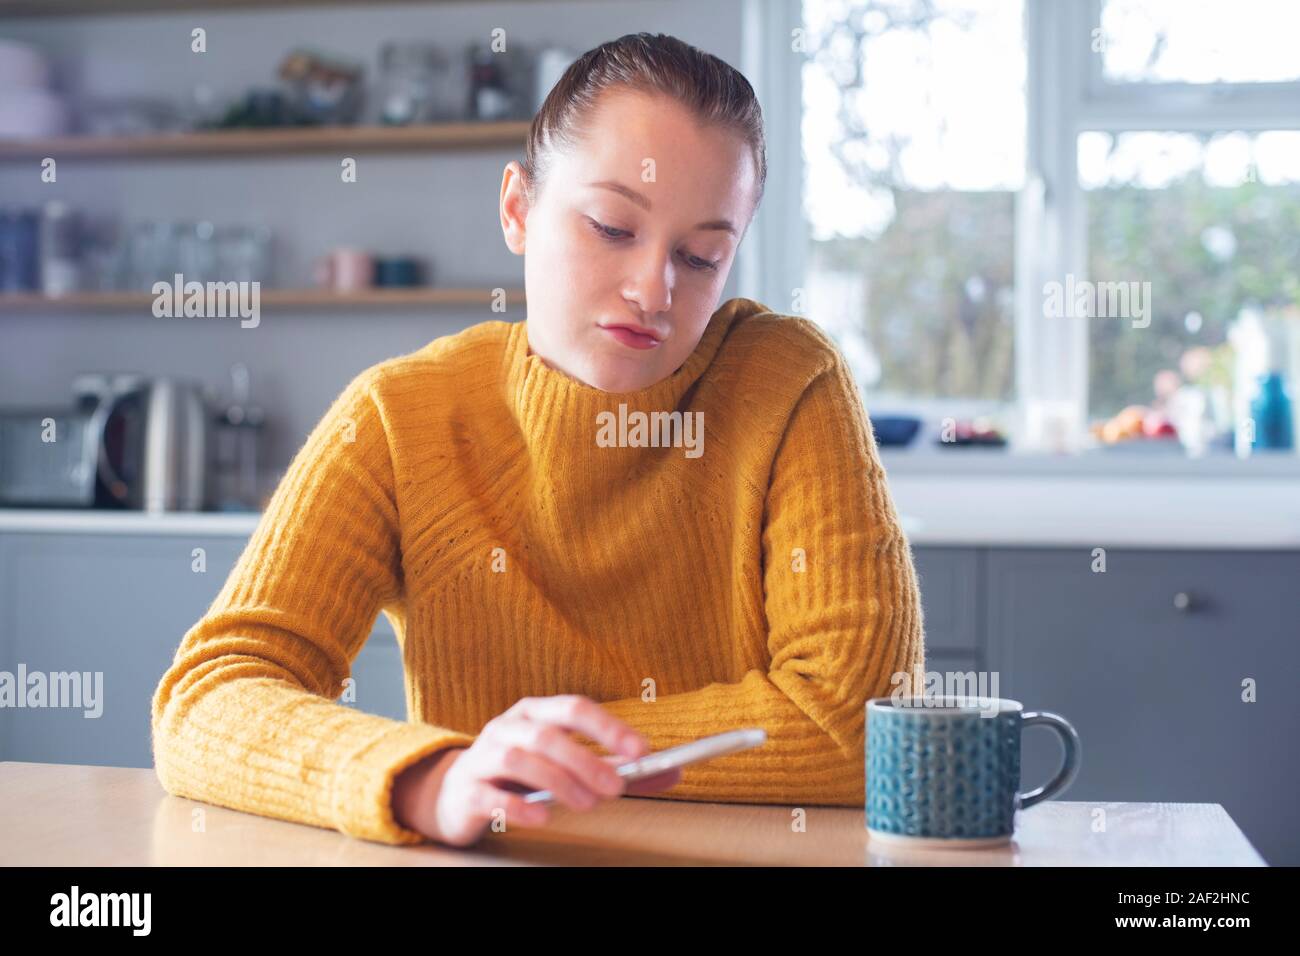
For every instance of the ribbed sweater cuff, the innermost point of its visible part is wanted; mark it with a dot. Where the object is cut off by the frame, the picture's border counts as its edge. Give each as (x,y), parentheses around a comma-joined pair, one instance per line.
(362,794)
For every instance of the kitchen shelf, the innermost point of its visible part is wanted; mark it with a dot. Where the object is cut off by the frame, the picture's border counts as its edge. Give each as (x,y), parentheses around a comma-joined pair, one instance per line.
(274,298)
(273,140)
(47,8)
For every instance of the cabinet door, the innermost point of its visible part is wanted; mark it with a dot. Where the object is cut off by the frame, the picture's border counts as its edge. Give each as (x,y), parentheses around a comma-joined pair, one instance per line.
(1148,660)
(112,610)
(950,595)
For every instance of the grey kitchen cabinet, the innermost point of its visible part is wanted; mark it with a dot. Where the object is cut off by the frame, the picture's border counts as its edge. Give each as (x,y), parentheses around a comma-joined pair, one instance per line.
(118,605)
(1150,661)
(949,579)
(114,605)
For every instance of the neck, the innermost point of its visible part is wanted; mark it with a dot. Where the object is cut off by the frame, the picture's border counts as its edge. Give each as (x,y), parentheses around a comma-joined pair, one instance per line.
(559,415)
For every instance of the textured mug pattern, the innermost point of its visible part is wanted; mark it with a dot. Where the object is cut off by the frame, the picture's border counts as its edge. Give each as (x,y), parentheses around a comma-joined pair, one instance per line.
(950,777)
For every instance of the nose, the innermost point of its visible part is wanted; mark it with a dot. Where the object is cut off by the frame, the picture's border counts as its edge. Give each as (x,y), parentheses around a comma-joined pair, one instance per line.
(650,284)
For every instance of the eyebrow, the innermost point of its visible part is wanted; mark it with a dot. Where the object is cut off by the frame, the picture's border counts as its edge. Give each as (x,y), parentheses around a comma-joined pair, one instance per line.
(641,200)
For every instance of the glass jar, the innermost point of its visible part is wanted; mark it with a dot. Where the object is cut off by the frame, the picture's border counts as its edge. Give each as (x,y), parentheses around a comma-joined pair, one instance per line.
(197,252)
(410,72)
(244,253)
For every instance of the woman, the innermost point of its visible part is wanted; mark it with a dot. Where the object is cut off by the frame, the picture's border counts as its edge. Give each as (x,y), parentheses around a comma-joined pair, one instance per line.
(628,522)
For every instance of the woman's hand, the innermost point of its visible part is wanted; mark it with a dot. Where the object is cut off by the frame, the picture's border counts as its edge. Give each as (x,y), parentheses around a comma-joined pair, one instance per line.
(452,796)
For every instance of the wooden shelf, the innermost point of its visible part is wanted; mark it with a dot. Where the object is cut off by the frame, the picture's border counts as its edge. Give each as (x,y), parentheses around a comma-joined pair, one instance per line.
(276,140)
(48,8)
(429,297)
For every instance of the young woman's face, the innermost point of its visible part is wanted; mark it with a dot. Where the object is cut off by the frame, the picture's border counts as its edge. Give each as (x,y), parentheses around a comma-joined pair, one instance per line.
(636,226)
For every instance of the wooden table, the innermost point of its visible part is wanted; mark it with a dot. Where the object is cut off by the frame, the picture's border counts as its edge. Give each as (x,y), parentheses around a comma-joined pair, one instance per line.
(66,815)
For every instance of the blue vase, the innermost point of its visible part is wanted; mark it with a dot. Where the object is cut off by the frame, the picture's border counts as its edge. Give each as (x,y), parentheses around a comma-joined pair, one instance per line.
(1271,411)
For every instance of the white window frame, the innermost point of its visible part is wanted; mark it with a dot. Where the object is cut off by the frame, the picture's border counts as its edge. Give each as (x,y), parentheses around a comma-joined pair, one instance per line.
(771,261)
(1066,95)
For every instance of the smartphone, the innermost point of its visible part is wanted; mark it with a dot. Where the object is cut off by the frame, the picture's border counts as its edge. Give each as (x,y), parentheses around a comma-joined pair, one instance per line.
(706,748)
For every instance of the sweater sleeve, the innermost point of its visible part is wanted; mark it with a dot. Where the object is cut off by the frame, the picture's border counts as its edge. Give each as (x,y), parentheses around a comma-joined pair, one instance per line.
(843,614)
(247,714)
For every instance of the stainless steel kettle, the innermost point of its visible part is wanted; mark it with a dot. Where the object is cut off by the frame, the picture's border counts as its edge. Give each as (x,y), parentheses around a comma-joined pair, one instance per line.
(175,451)
(177,437)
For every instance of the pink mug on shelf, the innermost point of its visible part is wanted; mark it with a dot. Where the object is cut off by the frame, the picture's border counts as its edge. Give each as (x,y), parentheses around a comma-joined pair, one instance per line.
(345,269)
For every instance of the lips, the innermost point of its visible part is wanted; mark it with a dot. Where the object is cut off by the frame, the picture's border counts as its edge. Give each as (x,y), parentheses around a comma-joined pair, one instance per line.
(634,336)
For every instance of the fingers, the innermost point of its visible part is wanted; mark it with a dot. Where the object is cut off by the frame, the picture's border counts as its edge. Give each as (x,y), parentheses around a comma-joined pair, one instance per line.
(537,771)
(545,757)
(479,807)
(529,747)
(576,712)
(516,811)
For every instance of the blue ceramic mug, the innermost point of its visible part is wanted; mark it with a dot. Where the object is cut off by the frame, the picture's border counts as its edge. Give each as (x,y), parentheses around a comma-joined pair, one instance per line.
(945,771)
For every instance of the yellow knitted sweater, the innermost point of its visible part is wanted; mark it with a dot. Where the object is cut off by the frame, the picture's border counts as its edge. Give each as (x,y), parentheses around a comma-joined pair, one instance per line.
(758,578)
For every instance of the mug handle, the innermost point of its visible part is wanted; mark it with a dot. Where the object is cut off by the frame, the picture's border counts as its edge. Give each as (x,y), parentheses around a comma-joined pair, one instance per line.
(1069,766)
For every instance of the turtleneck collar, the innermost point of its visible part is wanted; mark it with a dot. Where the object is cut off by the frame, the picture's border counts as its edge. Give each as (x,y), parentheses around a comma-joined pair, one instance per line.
(578,487)
(557,414)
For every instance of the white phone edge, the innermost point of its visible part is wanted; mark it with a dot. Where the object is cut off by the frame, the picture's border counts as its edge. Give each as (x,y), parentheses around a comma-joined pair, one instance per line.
(706,748)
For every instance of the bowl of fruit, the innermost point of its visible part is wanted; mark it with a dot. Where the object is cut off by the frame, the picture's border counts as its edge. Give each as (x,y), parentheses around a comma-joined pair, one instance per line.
(1137,428)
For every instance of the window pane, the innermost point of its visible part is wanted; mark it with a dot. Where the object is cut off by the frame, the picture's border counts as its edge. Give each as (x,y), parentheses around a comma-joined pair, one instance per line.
(1209,41)
(1212,222)
(914,145)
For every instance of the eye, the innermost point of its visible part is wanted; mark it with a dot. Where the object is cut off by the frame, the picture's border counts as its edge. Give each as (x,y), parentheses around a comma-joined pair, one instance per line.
(608,233)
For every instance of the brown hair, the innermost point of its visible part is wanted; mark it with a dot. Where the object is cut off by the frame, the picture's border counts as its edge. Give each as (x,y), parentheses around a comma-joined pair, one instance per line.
(713,90)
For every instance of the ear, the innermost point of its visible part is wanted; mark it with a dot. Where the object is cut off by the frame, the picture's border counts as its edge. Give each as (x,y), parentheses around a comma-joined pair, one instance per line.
(514,207)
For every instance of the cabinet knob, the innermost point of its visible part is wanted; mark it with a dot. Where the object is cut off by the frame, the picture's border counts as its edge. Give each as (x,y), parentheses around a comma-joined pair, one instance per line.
(1183,601)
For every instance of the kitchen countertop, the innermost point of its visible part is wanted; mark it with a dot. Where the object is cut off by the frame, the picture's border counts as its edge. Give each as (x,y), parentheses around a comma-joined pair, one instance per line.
(70,815)
(1098,511)
(1116,462)
(949,507)
(105,521)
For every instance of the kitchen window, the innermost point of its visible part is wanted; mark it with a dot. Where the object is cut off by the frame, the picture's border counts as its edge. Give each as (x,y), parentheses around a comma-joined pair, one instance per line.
(958,157)
(1212,222)
(914,142)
